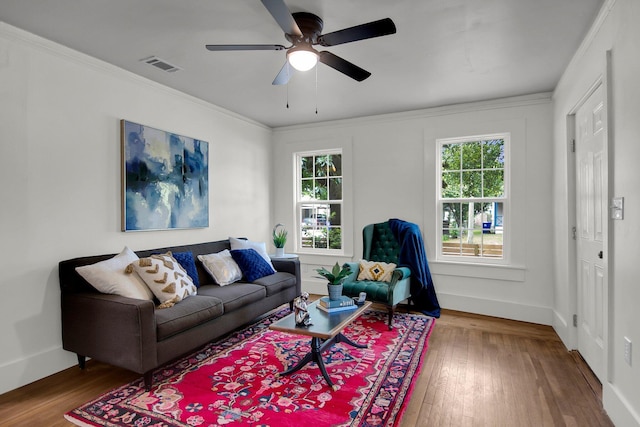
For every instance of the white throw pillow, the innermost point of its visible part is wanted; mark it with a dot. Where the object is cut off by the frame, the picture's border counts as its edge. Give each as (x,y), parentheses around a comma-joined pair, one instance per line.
(259,247)
(377,271)
(222,267)
(166,278)
(109,276)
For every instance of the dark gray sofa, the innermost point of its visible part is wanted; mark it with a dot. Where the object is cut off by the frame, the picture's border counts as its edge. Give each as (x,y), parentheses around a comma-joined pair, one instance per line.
(134,335)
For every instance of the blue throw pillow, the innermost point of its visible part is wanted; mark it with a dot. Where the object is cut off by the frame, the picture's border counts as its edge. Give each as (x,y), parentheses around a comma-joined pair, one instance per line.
(252,265)
(185,259)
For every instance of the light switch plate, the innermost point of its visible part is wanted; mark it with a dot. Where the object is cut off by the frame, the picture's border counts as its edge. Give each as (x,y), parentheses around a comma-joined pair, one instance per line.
(617,208)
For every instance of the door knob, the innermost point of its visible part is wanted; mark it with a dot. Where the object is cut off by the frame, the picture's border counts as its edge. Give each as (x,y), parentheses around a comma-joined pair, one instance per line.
(600,254)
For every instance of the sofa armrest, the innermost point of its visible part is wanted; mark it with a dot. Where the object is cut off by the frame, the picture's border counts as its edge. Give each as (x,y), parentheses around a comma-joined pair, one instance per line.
(113,329)
(291,266)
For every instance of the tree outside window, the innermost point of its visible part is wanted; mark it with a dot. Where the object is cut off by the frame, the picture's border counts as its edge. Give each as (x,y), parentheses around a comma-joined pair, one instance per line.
(319,200)
(472,196)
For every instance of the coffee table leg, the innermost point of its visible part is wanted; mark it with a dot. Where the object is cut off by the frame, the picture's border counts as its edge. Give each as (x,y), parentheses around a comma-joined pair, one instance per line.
(344,339)
(316,351)
(317,347)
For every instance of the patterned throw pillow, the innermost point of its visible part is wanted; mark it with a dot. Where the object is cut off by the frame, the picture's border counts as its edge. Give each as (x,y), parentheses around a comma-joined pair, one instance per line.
(253,265)
(166,278)
(376,271)
(221,267)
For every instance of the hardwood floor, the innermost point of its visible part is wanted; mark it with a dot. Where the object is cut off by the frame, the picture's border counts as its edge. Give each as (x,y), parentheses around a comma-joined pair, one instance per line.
(485,371)
(479,371)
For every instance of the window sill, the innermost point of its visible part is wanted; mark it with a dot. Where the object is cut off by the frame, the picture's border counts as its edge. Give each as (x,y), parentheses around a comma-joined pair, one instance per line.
(511,273)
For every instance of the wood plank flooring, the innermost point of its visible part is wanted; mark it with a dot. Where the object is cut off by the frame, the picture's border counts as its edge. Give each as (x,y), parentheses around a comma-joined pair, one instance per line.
(479,371)
(485,371)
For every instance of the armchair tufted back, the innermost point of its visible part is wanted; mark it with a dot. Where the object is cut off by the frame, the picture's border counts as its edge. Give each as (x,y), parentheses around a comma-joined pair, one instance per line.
(379,243)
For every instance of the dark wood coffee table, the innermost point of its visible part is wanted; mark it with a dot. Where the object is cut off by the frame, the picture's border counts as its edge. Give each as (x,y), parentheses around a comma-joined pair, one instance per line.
(325,331)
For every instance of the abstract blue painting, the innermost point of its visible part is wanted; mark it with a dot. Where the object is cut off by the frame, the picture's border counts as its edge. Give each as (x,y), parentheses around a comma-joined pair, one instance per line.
(165,179)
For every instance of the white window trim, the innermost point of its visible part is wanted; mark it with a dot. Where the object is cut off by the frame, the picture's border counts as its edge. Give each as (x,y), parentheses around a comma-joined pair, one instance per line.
(319,146)
(297,202)
(506,200)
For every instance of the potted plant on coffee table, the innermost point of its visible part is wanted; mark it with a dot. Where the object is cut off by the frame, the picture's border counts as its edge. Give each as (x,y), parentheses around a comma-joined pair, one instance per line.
(279,239)
(335,278)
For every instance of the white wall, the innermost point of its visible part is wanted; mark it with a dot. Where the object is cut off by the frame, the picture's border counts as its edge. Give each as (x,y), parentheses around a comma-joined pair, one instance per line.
(616,30)
(393,173)
(60,182)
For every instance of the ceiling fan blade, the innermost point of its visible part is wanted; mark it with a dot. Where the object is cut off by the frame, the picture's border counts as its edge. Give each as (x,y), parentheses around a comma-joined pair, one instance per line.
(383,27)
(344,66)
(284,75)
(283,17)
(228,47)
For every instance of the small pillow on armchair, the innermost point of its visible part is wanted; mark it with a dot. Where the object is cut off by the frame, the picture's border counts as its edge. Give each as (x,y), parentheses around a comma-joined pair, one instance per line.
(376,271)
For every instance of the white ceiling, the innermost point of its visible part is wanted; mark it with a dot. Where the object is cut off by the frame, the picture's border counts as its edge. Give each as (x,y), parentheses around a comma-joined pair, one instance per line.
(444,52)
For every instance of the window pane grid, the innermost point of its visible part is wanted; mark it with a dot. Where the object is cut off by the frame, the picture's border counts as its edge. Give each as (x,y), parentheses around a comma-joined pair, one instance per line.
(320,201)
(472,198)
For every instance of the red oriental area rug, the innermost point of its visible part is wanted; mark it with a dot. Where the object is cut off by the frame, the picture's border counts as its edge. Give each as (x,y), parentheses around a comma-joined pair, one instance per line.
(235,382)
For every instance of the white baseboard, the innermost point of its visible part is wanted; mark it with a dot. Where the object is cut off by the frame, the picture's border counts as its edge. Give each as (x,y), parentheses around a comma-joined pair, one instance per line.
(618,408)
(314,287)
(565,330)
(503,309)
(21,372)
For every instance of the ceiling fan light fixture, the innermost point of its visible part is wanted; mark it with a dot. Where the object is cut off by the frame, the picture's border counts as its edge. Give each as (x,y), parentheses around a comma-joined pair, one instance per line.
(302,59)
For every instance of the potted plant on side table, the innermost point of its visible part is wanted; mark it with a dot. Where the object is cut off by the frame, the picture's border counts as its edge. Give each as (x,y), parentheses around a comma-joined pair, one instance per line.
(279,239)
(335,278)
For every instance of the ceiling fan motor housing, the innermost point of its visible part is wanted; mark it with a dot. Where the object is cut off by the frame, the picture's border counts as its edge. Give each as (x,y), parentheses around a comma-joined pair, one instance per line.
(311,26)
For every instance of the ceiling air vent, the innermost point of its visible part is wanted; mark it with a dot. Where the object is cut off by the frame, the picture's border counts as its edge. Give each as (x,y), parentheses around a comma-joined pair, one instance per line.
(161,64)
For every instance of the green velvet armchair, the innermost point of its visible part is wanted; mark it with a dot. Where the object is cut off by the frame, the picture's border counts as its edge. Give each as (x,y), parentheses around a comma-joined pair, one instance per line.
(379,244)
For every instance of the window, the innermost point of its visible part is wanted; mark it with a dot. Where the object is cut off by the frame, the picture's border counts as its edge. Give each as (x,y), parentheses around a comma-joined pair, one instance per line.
(473,200)
(319,201)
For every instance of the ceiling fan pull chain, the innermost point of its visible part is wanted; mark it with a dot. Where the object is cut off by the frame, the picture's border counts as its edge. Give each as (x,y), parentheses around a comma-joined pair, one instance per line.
(316,89)
(287,87)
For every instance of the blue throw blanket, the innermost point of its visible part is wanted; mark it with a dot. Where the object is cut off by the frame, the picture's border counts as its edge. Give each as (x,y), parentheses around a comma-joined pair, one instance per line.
(413,256)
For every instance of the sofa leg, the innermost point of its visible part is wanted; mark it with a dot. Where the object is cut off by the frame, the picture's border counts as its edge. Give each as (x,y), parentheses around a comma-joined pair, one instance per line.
(82,361)
(148,380)
(291,305)
(391,311)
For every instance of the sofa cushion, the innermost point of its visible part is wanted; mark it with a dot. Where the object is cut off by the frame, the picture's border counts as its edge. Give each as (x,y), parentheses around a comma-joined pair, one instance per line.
(166,278)
(253,266)
(236,295)
(189,313)
(221,267)
(109,276)
(277,282)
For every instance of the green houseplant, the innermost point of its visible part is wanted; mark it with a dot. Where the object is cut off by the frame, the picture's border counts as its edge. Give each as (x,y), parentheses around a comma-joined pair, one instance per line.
(279,238)
(335,278)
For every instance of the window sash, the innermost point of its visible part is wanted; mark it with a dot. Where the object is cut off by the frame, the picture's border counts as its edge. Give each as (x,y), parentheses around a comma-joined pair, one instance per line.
(319,202)
(480,234)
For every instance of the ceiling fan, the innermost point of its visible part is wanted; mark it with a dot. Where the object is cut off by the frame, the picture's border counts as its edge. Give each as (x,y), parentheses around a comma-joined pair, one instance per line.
(304,30)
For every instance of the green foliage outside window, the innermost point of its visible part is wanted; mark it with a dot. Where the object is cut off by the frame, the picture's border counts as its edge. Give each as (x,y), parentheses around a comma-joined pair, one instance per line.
(320,199)
(472,189)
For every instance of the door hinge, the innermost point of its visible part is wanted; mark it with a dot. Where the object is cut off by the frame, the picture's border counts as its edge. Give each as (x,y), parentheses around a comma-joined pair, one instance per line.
(573,145)
(574,232)
(575,320)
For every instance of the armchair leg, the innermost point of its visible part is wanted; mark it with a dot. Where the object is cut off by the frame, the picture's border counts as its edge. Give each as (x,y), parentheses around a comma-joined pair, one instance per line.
(391,311)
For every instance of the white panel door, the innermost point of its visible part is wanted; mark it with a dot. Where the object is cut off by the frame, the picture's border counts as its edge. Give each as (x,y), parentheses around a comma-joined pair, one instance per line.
(591,222)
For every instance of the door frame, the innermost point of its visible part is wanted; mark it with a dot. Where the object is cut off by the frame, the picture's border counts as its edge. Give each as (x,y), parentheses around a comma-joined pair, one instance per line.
(604,81)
